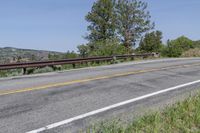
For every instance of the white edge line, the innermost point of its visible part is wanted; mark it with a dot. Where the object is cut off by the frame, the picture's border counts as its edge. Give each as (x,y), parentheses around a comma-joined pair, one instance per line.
(67,121)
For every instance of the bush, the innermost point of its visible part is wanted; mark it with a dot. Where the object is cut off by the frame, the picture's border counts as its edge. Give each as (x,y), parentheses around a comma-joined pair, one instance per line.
(175,48)
(43,70)
(102,48)
(192,53)
(171,50)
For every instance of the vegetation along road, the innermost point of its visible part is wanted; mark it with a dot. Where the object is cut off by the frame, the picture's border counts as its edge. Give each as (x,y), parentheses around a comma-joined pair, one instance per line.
(72,100)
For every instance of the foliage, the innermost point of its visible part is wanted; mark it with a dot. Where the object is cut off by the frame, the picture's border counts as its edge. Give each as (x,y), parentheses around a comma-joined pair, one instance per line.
(183,42)
(43,70)
(196,44)
(125,20)
(183,117)
(3,74)
(71,54)
(171,50)
(83,50)
(176,47)
(66,55)
(102,21)
(152,42)
(8,73)
(107,48)
(132,20)
(102,48)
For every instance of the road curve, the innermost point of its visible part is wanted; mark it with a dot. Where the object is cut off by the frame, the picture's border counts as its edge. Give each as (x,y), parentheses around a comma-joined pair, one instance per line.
(71,100)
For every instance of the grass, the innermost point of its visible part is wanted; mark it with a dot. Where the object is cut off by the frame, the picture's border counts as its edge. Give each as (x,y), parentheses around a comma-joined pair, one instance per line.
(192,53)
(182,117)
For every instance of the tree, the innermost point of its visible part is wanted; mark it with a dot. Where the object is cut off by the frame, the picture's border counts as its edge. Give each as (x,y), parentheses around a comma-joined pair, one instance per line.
(132,21)
(102,21)
(196,44)
(172,50)
(123,20)
(102,48)
(83,50)
(152,42)
(107,48)
(183,42)
(176,47)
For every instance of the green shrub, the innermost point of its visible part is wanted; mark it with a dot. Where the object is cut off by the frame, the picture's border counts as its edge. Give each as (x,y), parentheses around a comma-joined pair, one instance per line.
(176,47)
(102,48)
(43,70)
(171,50)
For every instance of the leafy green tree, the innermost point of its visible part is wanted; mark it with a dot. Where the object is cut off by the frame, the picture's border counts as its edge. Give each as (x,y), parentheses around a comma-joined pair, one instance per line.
(133,20)
(176,47)
(183,42)
(196,44)
(102,48)
(107,48)
(171,50)
(111,20)
(102,21)
(152,42)
(83,50)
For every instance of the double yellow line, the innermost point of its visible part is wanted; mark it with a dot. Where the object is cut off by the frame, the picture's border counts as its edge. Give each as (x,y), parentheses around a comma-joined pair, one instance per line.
(7,92)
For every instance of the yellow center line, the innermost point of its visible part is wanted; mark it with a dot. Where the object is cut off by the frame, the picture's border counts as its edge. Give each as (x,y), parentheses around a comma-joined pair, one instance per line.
(7,92)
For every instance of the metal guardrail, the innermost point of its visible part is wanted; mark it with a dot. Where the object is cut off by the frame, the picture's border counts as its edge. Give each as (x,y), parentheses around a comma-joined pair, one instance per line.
(69,61)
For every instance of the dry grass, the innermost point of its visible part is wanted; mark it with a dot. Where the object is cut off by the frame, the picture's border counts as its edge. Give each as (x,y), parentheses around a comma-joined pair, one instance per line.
(192,53)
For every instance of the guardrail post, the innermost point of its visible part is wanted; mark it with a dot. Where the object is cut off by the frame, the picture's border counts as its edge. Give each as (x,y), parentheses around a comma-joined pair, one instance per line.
(114,59)
(126,59)
(53,67)
(98,62)
(74,65)
(24,71)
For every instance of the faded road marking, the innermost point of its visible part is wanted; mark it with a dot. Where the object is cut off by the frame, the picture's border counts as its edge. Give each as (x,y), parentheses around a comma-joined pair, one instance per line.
(79,117)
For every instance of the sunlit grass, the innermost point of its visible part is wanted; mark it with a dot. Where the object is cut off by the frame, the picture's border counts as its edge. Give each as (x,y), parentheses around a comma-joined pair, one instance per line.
(182,117)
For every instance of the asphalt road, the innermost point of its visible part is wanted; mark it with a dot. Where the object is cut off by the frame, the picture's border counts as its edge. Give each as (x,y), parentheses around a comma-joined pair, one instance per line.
(71,100)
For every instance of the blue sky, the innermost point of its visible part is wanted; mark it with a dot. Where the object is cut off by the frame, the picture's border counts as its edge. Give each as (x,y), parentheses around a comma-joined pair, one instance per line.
(59,25)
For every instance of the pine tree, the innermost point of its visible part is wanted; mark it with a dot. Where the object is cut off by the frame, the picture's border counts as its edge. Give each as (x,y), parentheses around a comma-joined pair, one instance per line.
(152,42)
(102,21)
(132,21)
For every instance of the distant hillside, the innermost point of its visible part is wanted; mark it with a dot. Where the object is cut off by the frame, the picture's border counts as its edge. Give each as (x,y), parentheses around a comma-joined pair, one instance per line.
(12,55)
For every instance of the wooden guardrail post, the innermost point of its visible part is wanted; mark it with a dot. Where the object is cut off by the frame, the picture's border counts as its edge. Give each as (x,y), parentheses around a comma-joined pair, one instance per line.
(98,62)
(74,65)
(132,57)
(24,71)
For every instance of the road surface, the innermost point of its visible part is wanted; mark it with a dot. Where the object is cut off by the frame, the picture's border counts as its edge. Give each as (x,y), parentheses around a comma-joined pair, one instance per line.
(71,100)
